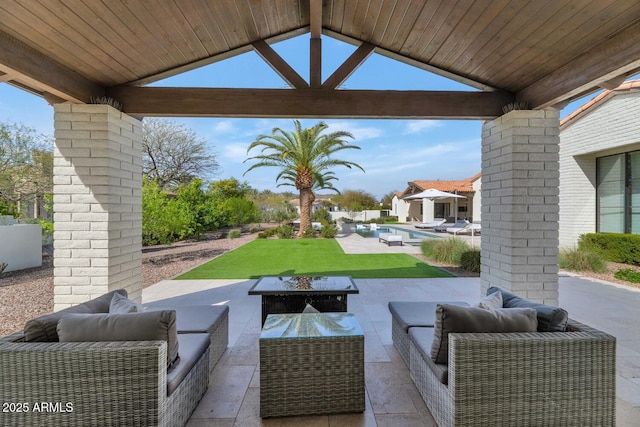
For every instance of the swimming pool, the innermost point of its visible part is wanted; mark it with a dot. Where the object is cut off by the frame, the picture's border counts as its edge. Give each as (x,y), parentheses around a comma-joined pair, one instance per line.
(409,237)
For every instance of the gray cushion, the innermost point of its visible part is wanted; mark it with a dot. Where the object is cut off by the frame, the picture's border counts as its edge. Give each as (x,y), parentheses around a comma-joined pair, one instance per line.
(43,328)
(149,326)
(192,346)
(422,338)
(491,301)
(451,318)
(121,304)
(195,318)
(550,318)
(417,313)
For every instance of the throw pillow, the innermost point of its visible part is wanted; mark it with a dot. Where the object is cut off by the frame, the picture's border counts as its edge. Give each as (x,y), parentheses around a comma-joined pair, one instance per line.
(550,318)
(453,318)
(121,304)
(491,301)
(43,328)
(146,326)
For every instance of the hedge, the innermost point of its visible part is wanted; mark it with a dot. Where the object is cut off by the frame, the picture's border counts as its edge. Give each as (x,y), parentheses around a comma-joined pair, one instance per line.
(615,247)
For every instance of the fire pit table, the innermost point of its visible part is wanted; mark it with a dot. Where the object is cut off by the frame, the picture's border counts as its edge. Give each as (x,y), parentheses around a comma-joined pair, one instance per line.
(291,294)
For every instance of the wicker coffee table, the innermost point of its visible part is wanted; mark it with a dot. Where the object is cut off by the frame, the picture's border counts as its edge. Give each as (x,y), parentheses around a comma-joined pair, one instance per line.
(291,294)
(311,364)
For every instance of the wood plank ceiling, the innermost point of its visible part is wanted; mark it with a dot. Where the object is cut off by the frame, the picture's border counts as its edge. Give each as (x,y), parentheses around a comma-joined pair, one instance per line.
(540,52)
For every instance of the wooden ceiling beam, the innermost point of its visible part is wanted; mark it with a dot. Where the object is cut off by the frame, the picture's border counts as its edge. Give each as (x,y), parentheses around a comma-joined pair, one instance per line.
(43,74)
(312,103)
(279,65)
(347,68)
(413,62)
(616,56)
(315,44)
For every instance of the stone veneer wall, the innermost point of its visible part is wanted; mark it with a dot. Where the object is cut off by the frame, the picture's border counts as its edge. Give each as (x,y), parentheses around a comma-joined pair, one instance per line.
(97,203)
(520,183)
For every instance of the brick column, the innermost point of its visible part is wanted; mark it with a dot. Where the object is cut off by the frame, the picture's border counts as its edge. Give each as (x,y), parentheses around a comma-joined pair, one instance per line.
(520,183)
(97,203)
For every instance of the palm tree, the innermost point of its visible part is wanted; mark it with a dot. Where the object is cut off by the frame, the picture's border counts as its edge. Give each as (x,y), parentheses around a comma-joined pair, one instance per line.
(305,158)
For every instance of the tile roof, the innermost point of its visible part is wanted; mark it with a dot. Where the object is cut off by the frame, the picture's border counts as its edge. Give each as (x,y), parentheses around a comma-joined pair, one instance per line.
(630,86)
(463,185)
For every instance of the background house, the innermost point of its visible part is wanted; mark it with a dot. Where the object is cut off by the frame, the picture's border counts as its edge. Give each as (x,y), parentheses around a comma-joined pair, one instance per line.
(424,210)
(600,166)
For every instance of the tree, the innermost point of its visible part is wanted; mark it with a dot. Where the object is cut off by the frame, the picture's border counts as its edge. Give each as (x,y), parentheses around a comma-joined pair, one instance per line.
(26,166)
(174,154)
(356,200)
(305,159)
(387,200)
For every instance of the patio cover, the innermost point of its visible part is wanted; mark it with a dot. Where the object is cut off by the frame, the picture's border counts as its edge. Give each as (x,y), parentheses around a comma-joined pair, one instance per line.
(539,54)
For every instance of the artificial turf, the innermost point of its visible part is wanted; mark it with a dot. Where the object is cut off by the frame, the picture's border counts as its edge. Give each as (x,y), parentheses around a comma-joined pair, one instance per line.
(318,257)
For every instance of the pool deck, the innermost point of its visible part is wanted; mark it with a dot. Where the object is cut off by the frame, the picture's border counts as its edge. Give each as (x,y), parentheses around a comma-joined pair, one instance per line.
(233,397)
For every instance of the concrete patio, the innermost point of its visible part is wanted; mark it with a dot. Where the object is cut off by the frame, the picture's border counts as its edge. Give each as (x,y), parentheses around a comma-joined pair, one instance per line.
(392,399)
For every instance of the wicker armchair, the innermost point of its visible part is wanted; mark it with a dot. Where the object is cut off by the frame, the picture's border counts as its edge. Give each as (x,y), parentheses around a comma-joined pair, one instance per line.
(523,379)
(102,383)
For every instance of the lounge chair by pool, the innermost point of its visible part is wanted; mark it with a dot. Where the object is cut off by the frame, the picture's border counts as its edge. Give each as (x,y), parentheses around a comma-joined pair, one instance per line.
(436,222)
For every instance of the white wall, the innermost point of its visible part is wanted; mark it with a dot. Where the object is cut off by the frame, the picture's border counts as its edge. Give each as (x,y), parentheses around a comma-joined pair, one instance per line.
(477,201)
(610,128)
(21,246)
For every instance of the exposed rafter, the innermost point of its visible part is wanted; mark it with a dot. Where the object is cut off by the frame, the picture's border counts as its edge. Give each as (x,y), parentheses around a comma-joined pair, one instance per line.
(40,73)
(413,62)
(279,65)
(588,72)
(349,66)
(315,44)
(213,59)
(316,103)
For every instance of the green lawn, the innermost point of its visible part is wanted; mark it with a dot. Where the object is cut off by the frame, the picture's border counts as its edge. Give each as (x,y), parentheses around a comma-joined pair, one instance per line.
(317,257)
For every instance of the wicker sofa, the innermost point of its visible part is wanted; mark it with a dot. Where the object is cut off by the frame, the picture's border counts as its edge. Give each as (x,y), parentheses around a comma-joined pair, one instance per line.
(110,382)
(514,378)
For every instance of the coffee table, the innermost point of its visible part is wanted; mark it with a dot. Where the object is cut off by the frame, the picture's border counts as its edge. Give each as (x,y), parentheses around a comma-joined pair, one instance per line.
(291,294)
(311,364)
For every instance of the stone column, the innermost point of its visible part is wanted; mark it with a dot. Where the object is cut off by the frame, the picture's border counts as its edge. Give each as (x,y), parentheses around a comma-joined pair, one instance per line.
(427,210)
(97,203)
(520,186)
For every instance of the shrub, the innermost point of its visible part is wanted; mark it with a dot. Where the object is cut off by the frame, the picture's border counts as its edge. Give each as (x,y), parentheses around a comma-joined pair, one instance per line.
(628,275)
(470,260)
(581,260)
(268,233)
(328,231)
(254,229)
(234,234)
(285,231)
(448,251)
(614,247)
(309,233)
(321,215)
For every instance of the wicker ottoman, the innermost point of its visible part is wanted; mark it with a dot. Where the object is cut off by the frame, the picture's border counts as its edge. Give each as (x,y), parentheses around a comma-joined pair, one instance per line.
(311,364)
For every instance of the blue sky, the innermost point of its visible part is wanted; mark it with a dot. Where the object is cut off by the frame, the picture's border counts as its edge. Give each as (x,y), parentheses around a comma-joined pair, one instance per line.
(393,152)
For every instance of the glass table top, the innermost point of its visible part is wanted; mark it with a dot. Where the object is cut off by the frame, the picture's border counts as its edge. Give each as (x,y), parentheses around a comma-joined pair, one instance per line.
(310,325)
(304,284)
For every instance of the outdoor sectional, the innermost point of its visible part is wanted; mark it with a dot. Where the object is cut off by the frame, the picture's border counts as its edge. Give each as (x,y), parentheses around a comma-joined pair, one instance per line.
(564,376)
(111,380)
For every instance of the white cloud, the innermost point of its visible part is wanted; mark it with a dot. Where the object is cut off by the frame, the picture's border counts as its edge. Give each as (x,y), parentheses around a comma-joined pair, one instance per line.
(359,132)
(224,126)
(235,152)
(417,126)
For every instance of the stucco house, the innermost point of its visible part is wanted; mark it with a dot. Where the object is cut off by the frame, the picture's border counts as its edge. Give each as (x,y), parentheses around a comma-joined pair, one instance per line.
(425,210)
(600,166)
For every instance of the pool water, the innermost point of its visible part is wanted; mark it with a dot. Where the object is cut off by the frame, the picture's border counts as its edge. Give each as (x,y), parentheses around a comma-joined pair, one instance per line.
(407,235)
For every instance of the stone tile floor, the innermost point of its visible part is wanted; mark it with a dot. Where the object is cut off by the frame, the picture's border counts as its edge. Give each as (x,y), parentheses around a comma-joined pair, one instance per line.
(391,398)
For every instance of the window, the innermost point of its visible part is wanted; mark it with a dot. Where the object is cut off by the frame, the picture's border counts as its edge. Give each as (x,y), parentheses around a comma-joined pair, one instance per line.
(618,193)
